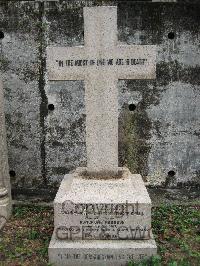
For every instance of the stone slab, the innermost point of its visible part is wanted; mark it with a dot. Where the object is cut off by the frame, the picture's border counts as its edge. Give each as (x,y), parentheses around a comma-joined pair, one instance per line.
(115,208)
(5,199)
(5,209)
(99,252)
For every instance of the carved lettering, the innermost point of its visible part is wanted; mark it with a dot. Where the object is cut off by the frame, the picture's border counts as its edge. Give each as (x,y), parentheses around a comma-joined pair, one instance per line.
(101,62)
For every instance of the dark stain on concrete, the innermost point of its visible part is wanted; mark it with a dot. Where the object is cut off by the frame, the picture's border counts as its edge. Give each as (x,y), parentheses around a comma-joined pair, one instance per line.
(174,71)
(60,170)
(134,129)
(44,100)
(153,19)
(68,25)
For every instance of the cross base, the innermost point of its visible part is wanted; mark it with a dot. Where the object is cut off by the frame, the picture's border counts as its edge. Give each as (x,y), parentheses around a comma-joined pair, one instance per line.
(88,174)
(101,217)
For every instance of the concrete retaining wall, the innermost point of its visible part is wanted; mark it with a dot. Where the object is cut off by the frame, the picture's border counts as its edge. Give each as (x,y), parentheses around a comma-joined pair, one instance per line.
(159,139)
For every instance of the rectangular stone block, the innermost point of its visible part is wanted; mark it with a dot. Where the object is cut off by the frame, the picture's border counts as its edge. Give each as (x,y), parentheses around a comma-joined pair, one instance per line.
(106,208)
(99,252)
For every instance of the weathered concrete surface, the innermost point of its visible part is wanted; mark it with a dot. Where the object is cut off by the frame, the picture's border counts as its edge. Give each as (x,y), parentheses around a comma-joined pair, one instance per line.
(165,125)
(65,145)
(20,64)
(160,135)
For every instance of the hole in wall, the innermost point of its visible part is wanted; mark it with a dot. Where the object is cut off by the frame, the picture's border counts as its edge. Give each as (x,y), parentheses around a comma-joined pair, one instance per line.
(171,173)
(1,34)
(12,173)
(51,107)
(171,35)
(132,107)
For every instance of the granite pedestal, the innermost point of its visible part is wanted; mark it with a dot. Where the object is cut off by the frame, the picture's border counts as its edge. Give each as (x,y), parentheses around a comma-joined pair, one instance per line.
(101,221)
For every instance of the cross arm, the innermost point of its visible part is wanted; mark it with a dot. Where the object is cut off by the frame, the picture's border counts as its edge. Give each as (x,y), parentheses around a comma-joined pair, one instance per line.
(138,61)
(66,63)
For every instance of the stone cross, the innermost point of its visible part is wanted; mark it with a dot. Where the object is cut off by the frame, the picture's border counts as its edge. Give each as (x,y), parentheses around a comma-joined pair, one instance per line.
(100,63)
